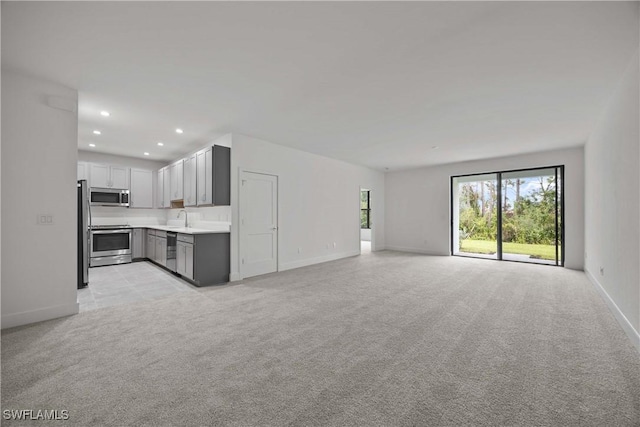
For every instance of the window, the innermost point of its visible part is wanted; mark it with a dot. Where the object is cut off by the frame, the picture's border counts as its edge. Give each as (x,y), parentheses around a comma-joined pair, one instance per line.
(512,215)
(365,209)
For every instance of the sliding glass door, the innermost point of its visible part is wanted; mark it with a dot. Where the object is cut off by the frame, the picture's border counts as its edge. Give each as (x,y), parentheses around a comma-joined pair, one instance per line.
(476,213)
(510,215)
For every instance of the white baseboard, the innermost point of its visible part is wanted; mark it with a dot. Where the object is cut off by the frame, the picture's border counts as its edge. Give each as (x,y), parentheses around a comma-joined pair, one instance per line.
(633,335)
(235,277)
(317,260)
(39,315)
(413,250)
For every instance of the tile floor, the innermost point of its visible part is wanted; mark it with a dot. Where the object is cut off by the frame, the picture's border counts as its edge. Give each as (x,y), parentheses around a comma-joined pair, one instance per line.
(126,283)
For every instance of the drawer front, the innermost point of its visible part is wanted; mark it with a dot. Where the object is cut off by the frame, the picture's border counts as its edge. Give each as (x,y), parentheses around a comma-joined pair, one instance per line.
(151,232)
(160,233)
(186,238)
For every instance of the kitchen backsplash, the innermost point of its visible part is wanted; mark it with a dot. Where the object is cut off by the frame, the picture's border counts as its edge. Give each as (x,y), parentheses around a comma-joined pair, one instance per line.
(210,213)
(102,215)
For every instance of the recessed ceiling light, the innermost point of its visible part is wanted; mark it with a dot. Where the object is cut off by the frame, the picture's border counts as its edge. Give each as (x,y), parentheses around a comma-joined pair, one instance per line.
(97,132)
(92,145)
(160,144)
(435,147)
(146,154)
(179,130)
(105,113)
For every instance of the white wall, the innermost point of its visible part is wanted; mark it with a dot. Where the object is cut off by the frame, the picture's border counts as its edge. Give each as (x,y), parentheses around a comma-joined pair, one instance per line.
(417,202)
(318,202)
(612,229)
(39,155)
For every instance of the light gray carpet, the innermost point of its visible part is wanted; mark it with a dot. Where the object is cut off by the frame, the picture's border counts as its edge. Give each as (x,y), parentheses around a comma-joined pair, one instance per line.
(382,339)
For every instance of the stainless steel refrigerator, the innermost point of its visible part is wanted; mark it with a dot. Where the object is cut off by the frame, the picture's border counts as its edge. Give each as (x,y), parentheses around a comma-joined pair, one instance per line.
(84,224)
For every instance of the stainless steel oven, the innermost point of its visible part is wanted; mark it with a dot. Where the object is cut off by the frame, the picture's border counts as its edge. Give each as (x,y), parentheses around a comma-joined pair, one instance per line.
(109,197)
(110,245)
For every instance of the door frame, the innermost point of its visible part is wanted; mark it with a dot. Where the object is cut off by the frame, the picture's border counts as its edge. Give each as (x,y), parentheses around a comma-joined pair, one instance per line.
(241,172)
(371,218)
(560,213)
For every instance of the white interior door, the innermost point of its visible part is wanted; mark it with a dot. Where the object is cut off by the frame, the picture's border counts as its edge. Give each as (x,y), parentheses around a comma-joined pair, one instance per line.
(258,224)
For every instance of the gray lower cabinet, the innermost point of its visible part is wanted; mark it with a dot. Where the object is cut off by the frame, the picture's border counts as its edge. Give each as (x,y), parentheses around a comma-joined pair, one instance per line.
(151,245)
(138,243)
(203,259)
(161,248)
(184,258)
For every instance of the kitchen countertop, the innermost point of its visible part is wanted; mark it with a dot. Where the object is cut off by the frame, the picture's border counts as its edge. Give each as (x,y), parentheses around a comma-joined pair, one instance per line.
(180,229)
(184,230)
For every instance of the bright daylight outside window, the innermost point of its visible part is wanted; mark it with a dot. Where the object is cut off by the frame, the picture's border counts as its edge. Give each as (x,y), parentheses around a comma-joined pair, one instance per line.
(511,215)
(365,209)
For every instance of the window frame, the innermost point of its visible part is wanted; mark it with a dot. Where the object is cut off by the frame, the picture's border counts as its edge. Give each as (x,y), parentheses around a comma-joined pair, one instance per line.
(559,220)
(367,209)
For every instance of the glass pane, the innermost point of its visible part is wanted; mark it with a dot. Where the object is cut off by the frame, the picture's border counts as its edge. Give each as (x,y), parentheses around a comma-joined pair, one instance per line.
(364,199)
(475,216)
(106,197)
(529,216)
(559,215)
(364,218)
(110,242)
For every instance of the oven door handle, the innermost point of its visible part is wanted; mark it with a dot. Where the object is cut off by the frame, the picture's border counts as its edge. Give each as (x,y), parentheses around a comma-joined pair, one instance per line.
(110,231)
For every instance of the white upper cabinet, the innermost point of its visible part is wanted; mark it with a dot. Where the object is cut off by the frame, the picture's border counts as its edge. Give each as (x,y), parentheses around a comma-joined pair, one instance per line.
(166,187)
(160,188)
(163,187)
(99,175)
(141,188)
(119,177)
(105,176)
(205,170)
(177,180)
(190,178)
(83,171)
(214,176)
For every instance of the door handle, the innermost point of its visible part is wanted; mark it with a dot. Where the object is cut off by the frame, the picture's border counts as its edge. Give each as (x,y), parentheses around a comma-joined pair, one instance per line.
(274,228)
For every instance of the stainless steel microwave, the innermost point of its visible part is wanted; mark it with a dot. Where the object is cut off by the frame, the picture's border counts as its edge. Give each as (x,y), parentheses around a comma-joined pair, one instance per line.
(109,197)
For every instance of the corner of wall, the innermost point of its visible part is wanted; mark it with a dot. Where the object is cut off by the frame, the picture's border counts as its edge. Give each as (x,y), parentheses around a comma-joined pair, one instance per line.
(626,325)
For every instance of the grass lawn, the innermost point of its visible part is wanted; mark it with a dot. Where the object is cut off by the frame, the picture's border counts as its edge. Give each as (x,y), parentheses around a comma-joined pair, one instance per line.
(488,247)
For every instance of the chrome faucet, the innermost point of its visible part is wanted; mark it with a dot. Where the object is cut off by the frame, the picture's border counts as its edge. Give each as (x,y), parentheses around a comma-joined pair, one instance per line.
(186,217)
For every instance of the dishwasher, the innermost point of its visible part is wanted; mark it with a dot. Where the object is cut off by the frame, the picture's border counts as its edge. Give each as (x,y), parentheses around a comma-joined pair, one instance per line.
(171,251)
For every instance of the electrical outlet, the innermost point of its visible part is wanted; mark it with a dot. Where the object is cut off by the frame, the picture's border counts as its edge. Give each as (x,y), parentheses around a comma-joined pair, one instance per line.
(334,245)
(602,271)
(299,250)
(44,219)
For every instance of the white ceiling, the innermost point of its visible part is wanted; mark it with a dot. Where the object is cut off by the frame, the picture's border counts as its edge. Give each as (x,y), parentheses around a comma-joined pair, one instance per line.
(377,84)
